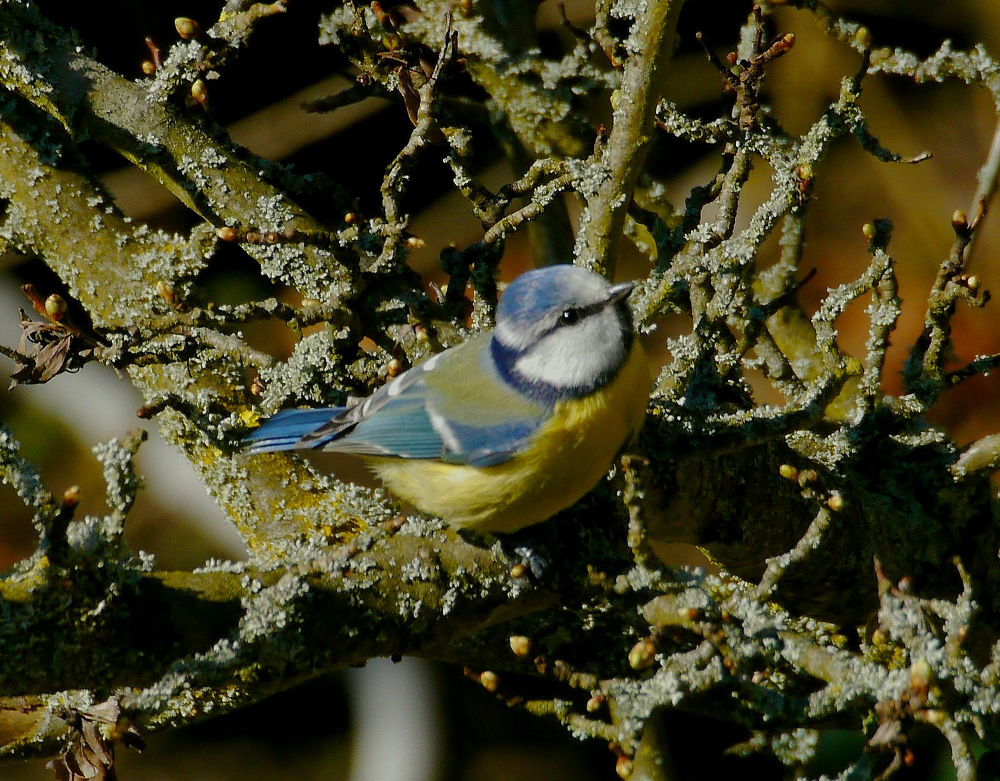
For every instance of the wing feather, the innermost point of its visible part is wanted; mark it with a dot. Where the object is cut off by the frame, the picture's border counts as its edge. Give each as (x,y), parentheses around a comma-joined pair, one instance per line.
(454,408)
(285,429)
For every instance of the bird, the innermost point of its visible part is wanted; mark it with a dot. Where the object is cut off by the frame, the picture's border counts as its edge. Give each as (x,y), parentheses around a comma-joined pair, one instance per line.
(509,427)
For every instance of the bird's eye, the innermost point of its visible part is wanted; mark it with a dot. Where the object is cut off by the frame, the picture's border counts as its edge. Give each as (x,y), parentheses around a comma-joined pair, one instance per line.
(569,316)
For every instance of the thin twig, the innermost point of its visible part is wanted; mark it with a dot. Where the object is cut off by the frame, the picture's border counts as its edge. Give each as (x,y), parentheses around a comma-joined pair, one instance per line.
(638,97)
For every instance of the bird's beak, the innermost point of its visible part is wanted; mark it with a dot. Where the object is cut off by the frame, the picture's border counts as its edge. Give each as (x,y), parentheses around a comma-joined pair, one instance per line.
(619,292)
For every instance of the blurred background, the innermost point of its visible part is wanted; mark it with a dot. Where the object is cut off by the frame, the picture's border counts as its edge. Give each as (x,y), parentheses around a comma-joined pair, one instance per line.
(413,720)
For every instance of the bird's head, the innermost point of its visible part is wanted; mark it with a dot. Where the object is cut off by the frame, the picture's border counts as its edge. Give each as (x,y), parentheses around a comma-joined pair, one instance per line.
(562,331)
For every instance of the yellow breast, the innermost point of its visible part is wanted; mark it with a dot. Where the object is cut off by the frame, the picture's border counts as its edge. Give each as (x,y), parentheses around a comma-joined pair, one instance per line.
(565,459)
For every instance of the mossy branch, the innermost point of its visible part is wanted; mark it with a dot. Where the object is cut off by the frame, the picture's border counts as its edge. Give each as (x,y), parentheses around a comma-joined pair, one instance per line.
(648,50)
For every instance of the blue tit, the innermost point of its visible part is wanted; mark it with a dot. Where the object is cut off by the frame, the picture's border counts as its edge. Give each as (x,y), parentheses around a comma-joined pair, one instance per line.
(509,427)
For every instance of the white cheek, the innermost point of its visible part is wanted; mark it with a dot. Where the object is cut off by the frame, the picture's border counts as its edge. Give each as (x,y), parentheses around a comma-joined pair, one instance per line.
(575,356)
(510,337)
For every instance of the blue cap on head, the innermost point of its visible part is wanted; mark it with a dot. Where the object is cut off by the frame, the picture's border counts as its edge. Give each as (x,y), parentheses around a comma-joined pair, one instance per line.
(547,289)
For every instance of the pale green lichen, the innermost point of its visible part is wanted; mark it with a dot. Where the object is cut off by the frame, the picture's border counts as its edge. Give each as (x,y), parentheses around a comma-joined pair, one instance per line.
(22,476)
(311,374)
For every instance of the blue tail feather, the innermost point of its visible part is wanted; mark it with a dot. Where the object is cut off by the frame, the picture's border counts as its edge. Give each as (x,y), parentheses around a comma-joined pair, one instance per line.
(286,428)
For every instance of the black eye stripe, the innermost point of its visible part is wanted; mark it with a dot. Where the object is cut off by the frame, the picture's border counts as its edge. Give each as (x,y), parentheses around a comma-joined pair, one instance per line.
(570,316)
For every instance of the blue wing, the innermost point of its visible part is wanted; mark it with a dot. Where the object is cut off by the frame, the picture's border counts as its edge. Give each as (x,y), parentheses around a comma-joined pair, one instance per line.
(453,408)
